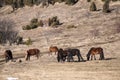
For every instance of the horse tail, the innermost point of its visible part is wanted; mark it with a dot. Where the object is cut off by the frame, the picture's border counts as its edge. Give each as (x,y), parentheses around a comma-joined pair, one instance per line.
(38,53)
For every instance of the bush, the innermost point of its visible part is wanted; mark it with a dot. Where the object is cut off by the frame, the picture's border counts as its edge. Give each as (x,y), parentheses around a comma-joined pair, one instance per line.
(93,7)
(29,41)
(53,21)
(27,27)
(7,31)
(88,0)
(71,26)
(19,40)
(70,2)
(34,20)
(114,0)
(33,25)
(106,6)
(40,23)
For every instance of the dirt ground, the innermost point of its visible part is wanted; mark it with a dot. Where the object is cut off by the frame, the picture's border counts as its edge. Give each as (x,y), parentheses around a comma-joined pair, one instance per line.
(93,29)
(47,68)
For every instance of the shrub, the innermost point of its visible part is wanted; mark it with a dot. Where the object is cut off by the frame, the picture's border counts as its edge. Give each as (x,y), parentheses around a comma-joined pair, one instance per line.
(29,2)
(88,0)
(53,21)
(106,6)
(19,40)
(34,20)
(21,3)
(29,41)
(93,7)
(70,2)
(114,0)
(71,26)
(40,23)
(27,27)
(33,25)
(103,0)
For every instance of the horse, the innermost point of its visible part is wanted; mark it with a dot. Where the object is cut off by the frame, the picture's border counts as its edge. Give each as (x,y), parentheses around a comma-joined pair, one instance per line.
(8,55)
(94,51)
(53,49)
(61,56)
(32,52)
(69,53)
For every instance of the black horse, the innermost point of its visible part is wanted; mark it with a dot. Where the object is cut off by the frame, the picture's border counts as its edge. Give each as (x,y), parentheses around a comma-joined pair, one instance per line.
(8,55)
(68,54)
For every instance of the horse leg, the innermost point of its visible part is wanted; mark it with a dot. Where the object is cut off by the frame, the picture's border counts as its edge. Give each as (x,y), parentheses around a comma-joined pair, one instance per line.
(94,57)
(78,58)
(6,59)
(91,57)
(68,59)
(72,58)
(29,57)
(58,59)
(37,56)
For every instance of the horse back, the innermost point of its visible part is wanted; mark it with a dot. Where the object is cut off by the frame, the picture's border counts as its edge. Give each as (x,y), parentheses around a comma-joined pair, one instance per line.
(97,50)
(33,51)
(53,49)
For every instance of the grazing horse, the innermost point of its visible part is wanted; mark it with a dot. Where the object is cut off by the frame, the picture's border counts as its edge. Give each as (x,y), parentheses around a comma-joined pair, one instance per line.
(8,55)
(53,49)
(32,52)
(62,54)
(93,51)
(69,53)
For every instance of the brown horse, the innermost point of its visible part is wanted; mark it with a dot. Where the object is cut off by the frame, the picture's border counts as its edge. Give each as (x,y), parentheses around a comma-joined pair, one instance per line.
(69,53)
(8,55)
(53,49)
(32,52)
(94,51)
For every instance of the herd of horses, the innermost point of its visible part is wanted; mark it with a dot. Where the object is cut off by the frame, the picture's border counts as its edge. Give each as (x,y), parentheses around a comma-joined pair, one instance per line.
(62,54)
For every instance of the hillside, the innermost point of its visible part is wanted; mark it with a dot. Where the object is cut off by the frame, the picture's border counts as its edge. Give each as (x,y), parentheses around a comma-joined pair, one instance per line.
(92,29)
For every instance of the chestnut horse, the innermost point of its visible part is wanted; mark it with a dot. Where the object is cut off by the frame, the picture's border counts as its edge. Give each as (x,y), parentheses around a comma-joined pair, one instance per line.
(94,51)
(8,55)
(53,49)
(69,53)
(32,52)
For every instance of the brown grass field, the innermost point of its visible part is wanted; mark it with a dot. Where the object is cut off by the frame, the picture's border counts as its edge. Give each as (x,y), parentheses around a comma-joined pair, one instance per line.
(93,29)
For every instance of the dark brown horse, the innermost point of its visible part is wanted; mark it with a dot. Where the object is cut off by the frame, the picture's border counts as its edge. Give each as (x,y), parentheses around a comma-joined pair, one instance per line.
(32,52)
(94,51)
(69,53)
(53,49)
(8,55)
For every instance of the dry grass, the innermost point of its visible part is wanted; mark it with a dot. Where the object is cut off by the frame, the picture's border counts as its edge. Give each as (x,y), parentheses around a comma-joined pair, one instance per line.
(94,29)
